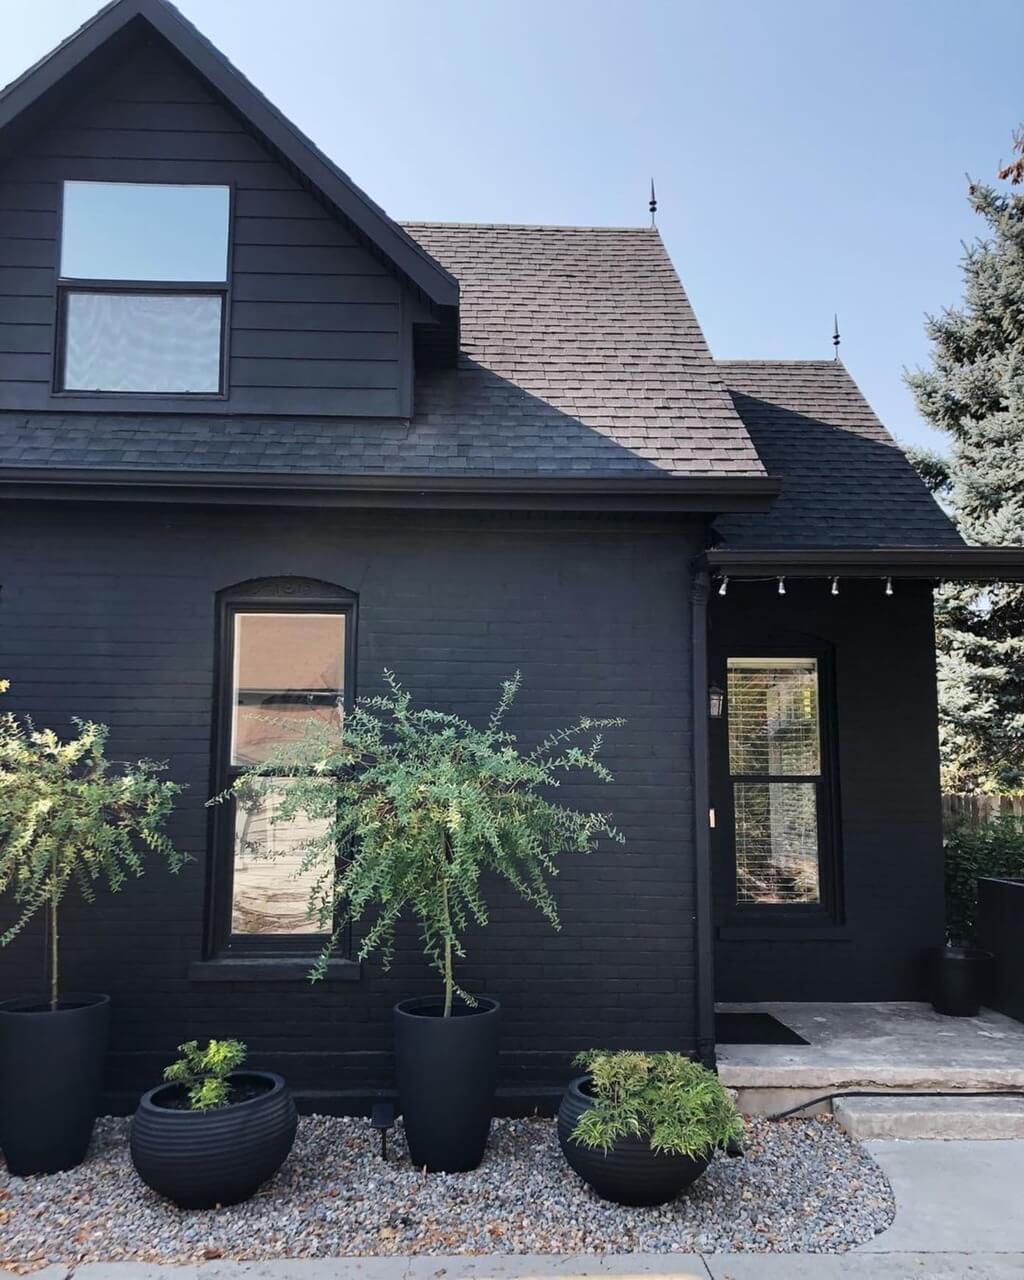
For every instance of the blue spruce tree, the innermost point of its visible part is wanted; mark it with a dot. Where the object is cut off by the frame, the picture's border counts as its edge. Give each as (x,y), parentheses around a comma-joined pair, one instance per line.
(974,393)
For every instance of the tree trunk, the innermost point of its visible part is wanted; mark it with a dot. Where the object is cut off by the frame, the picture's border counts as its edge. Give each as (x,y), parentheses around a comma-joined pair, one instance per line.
(53,942)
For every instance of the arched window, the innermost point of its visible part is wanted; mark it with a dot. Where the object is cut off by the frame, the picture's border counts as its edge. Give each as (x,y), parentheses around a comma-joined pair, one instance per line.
(286,651)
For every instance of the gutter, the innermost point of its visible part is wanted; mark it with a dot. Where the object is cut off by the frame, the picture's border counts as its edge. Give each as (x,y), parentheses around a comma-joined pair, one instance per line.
(657,493)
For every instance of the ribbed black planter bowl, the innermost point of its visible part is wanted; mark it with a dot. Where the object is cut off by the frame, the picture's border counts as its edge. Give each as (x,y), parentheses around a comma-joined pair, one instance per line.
(447,1072)
(51,1076)
(629,1172)
(202,1159)
(961,977)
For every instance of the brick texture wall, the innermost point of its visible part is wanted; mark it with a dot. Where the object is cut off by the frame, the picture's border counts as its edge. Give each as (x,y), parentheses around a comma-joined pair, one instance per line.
(889,805)
(108,613)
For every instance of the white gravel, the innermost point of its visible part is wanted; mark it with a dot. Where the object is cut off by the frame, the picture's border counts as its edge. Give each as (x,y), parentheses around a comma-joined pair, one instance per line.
(803,1185)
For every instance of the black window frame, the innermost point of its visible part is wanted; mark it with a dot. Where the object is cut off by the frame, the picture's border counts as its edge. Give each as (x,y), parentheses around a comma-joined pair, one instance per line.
(67,285)
(829,908)
(288,595)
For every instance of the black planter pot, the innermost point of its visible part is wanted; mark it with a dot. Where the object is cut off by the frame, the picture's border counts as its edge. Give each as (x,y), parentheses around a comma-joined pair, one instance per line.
(447,1072)
(51,1076)
(202,1159)
(1001,929)
(629,1172)
(960,980)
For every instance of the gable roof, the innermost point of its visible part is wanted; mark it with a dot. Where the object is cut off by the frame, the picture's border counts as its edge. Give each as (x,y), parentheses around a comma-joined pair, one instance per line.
(845,480)
(582,364)
(109,32)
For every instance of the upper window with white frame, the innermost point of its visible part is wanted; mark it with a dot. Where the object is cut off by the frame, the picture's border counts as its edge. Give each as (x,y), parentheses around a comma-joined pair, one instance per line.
(143,288)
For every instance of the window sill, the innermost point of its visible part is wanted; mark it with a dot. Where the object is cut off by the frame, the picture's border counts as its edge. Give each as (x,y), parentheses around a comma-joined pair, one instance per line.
(794,932)
(290,968)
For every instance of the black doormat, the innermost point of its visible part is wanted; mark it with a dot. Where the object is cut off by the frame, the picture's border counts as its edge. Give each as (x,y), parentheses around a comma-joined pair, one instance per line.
(753,1028)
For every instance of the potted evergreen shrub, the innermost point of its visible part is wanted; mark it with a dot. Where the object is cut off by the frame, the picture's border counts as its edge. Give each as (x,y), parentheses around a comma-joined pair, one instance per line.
(213,1133)
(640,1127)
(424,804)
(67,814)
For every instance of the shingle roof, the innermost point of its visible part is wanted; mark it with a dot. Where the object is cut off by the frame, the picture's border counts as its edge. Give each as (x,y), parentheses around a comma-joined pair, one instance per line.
(845,481)
(578,347)
(581,356)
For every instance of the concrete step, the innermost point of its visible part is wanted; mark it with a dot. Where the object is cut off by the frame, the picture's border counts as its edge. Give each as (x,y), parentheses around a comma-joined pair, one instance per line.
(949,1118)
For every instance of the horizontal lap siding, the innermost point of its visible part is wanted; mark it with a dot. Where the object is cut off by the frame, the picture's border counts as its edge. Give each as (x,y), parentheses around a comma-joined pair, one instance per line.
(113,619)
(315,320)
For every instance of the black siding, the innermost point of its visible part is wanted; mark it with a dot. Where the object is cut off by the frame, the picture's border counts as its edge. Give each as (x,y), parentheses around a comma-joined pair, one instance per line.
(109,614)
(316,323)
(889,828)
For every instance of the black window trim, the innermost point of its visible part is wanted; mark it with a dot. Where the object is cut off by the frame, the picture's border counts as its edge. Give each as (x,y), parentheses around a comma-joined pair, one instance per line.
(65,285)
(829,910)
(266,595)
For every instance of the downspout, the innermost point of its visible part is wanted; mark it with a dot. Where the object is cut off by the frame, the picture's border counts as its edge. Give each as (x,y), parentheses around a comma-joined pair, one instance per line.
(703,913)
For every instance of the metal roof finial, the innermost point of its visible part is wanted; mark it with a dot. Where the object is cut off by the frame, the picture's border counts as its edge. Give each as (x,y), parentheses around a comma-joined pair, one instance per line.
(835,335)
(653,205)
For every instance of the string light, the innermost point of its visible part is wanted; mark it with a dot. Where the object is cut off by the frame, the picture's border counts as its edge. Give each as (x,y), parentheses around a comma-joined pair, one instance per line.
(782,586)
(725,585)
(835,586)
(888,586)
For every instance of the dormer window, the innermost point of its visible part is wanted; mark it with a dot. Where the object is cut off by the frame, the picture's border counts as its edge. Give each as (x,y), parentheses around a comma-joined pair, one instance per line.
(143,288)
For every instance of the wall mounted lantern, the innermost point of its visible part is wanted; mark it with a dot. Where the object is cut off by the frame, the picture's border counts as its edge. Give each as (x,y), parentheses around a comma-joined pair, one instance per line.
(716,701)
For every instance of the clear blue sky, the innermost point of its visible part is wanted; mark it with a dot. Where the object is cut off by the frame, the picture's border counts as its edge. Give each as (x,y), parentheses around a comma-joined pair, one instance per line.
(809,157)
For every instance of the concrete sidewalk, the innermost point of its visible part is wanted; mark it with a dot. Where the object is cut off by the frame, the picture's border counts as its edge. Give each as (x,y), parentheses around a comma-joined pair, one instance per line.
(958,1217)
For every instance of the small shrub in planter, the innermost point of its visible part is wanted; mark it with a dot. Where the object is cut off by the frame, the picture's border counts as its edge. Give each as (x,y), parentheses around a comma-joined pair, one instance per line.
(424,805)
(213,1133)
(68,816)
(640,1127)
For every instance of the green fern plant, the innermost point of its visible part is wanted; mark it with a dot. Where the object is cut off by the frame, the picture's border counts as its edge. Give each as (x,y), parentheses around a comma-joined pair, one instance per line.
(422,804)
(67,815)
(678,1105)
(203,1073)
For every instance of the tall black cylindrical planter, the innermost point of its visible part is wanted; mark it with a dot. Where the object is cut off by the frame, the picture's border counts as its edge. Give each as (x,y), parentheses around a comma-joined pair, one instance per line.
(960,980)
(202,1159)
(51,1077)
(447,1072)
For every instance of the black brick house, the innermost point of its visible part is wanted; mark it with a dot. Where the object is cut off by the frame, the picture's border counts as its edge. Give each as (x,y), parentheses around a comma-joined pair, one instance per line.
(258,441)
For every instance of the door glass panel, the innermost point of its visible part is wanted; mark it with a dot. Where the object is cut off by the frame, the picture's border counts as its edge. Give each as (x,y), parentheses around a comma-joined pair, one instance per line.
(776,843)
(144,231)
(271,892)
(773,717)
(288,667)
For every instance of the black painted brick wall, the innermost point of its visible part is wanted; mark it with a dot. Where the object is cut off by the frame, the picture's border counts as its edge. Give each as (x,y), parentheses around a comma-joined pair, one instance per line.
(109,614)
(890,828)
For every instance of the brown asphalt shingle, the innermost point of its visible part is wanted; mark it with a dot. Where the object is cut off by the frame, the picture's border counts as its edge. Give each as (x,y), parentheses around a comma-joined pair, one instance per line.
(845,481)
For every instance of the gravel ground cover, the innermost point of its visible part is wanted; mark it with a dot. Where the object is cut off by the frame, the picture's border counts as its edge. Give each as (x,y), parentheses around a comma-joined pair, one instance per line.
(803,1185)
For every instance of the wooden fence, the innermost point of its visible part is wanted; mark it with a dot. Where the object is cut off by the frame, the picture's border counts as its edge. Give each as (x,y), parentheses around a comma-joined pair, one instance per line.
(981,808)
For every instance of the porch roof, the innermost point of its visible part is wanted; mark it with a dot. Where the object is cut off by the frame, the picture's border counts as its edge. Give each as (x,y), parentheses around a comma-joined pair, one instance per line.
(946,564)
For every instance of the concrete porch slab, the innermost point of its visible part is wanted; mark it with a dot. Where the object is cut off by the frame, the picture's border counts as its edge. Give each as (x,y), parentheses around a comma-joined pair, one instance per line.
(888,1046)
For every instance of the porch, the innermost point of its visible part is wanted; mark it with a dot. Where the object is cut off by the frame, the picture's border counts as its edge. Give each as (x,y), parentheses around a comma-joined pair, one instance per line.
(888,1047)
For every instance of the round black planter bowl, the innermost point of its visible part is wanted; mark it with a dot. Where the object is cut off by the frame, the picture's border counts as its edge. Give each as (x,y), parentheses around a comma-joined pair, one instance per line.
(447,1072)
(629,1172)
(202,1159)
(51,1075)
(960,980)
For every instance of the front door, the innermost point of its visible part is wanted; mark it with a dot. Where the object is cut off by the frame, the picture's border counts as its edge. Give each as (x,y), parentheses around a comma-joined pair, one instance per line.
(770,792)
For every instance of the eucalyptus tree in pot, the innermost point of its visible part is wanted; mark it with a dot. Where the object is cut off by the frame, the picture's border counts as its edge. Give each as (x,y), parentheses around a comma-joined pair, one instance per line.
(425,803)
(66,815)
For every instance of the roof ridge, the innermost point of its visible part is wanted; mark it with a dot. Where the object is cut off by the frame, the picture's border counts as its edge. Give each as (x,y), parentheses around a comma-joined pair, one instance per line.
(518,226)
(816,361)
